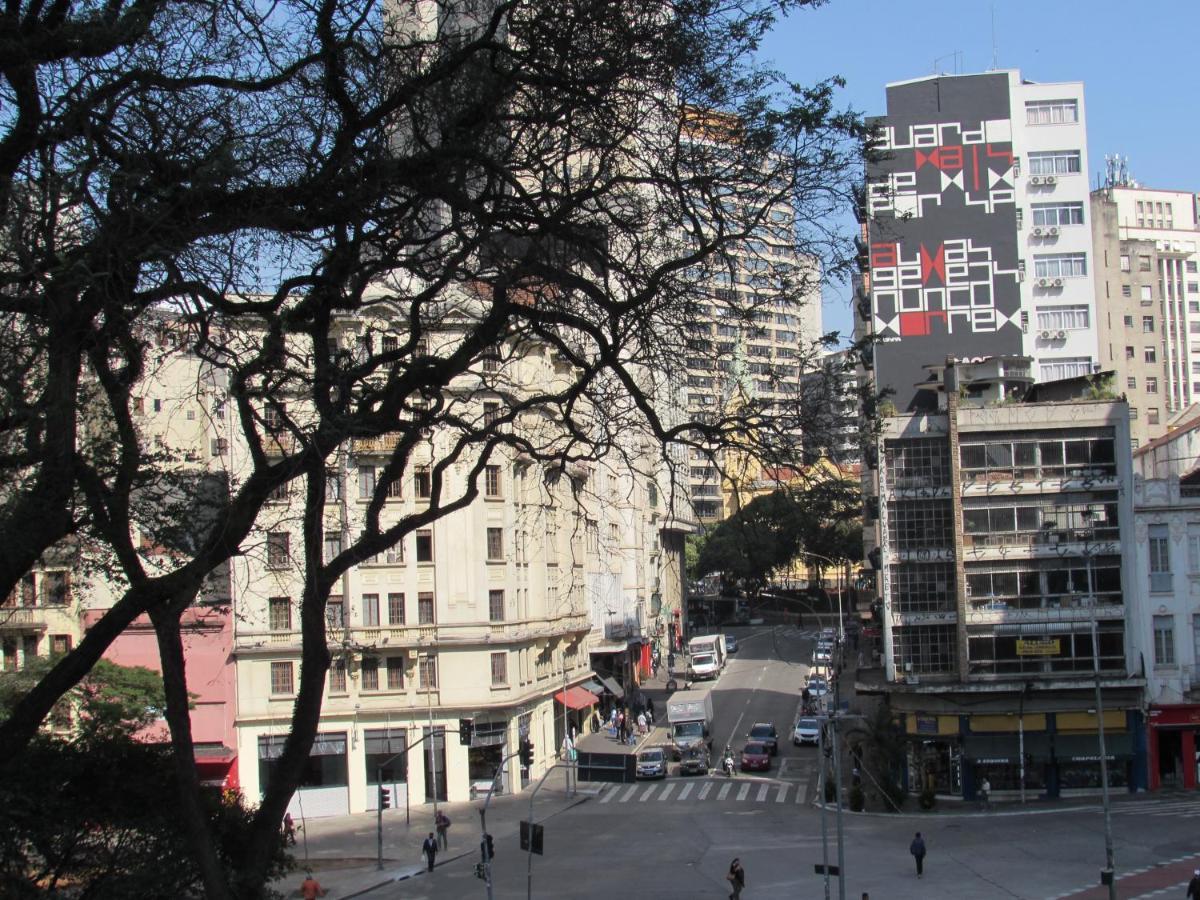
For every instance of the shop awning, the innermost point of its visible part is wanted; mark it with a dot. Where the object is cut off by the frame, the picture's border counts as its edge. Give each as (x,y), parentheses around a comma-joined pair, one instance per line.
(613,687)
(594,686)
(576,698)
(611,647)
(1086,747)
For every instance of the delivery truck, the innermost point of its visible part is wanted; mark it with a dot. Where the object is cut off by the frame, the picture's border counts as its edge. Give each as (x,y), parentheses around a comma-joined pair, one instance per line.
(689,713)
(706,656)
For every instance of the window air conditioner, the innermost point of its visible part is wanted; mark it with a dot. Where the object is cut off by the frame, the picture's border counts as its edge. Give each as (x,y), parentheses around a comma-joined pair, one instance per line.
(1052,230)
(1045,335)
(1035,179)
(1043,282)
(1048,179)
(1058,282)
(1062,335)
(1037,232)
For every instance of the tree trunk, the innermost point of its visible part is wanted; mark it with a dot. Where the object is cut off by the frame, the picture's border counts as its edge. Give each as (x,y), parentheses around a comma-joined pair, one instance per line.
(174,674)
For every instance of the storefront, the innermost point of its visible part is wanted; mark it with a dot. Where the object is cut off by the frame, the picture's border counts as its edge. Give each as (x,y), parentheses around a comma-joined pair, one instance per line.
(324,784)
(1174,746)
(489,746)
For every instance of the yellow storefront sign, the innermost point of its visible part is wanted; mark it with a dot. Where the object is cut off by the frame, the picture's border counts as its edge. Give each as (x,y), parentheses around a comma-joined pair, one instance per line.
(1039,647)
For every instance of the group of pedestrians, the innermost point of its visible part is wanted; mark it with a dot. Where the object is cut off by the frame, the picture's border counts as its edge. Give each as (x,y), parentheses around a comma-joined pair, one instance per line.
(626,725)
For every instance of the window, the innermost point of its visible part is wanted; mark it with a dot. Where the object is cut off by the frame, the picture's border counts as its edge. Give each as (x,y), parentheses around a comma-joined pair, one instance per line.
(1151,384)
(425,608)
(1151,354)
(1147,293)
(491,413)
(333,547)
(1062,318)
(1148,324)
(424,546)
(1060,265)
(653,491)
(395,488)
(1152,415)
(427,672)
(1190,266)
(1131,383)
(337,676)
(335,611)
(1133,412)
(1164,640)
(496,606)
(279,613)
(370,610)
(1193,287)
(422,483)
(278,549)
(499,669)
(370,673)
(56,588)
(366,482)
(1160,558)
(495,544)
(333,486)
(395,673)
(1051,112)
(1127,291)
(1054,162)
(281,678)
(158,405)
(279,494)
(491,481)
(1053,215)
(1125,262)
(395,609)
(1193,547)
(60,644)
(1067,367)
(1143,263)
(1129,354)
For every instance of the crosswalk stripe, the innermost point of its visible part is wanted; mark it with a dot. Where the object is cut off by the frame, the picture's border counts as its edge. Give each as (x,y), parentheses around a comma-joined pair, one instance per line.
(646,795)
(629,793)
(783,790)
(666,791)
(704,789)
(608,795)
(721,794)
(762,794)
(742,792)
(687,789)
(801,791)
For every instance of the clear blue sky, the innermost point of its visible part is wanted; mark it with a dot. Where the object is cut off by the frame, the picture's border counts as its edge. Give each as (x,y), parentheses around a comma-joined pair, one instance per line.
(1138,62)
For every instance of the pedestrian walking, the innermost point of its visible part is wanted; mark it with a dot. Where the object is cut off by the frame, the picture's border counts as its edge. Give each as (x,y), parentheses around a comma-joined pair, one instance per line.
(430,848)
(641,722)
(917,849)
(736,878)
(621,727)
(985,791)
(442,824)
(289,829)
(1194,886)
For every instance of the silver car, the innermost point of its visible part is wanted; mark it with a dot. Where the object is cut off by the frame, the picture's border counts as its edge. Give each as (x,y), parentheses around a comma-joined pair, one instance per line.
(652,763)
(807,731)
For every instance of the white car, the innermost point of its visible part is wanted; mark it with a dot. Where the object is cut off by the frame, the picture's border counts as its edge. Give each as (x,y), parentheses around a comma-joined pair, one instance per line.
(822,654)
(817,686)
(807,731)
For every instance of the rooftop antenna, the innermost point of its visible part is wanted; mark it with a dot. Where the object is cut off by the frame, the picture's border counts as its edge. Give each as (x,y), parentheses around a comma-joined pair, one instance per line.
(995,64)
(956,56)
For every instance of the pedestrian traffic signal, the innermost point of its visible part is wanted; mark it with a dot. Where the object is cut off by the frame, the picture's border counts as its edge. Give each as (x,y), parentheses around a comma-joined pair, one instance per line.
(487,848)
(525,751)
(466,730)
(385,797)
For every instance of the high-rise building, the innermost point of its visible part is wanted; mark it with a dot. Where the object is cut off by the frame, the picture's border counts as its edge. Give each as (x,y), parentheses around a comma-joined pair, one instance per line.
(1148,292)
(975,239)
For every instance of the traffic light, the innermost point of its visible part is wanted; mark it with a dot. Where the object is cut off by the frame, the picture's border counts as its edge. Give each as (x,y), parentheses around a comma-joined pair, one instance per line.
(385,797)
(525,751)
(466,729)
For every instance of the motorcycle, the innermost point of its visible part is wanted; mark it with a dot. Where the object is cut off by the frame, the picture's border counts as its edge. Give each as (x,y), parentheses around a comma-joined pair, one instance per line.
(727,765)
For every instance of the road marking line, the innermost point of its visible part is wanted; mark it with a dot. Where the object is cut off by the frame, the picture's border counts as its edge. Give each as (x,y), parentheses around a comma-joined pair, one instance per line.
(646,796)
(783,790)
(762,793)
(743,791)
(666,791)
(687,789)
(724,790)
(801,791)
(629,793)
(608,795)
(704,789)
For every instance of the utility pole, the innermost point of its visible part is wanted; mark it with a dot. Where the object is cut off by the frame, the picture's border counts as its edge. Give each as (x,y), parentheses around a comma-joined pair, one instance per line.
(821,723)
(433,745)
(837,779)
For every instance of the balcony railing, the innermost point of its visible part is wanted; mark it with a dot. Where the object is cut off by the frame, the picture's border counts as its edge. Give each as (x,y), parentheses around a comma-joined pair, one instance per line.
(1047,538)
(22,617)
(1056,474)
(383,443)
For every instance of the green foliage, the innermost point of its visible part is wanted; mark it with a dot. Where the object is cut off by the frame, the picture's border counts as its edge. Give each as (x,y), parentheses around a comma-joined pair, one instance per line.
(100,818)
(693,546)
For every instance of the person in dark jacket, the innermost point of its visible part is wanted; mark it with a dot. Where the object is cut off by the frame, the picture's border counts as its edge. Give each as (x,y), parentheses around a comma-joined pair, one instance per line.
(736,878)
(917,849)
(1194,886)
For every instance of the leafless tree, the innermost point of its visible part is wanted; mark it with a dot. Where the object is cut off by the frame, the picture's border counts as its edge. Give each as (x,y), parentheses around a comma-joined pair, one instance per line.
(475,180)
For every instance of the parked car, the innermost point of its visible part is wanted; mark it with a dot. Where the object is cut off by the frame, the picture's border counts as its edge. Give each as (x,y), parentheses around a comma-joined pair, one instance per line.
(765,733)
(756,757)
(730,644)
(807,731)
(694,761)
(818,686)
(823,653)
(652,763)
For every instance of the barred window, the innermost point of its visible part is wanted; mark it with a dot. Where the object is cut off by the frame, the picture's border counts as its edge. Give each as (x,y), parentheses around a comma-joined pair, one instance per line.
(427,673)
(491,481)
(922,587)
(370,673)
(495,544)
(499,669)
(370,610)
(425,608)
(278,549)
(395,673)
(279,611)
(395,609)
(337,676)
(920,524)
(496,606)
(925,649)
(281,678)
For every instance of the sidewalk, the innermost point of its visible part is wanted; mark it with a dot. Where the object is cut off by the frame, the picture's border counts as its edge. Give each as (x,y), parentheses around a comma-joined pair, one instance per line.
(341,851)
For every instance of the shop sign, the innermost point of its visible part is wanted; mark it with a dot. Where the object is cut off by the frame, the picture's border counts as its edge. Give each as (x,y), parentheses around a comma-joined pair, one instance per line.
(927,725)
(1038,647)
(1110,757)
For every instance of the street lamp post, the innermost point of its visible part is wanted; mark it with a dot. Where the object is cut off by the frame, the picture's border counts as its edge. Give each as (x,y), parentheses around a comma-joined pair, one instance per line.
(837,568)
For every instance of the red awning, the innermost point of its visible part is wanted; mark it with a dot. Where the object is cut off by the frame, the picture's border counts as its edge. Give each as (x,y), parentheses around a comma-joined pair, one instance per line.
(576,698)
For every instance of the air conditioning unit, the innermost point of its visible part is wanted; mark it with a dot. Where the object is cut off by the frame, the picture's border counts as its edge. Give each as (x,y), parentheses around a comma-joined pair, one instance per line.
(1043,282)
(1037,232)
(1046,335)
(1062,335)
(1035,179)
(1052,230)
(1048,179)
(1058,282)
